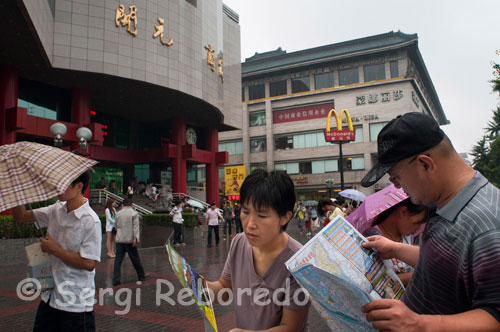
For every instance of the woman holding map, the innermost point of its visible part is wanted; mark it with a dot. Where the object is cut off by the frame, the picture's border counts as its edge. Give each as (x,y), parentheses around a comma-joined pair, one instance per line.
(264,293)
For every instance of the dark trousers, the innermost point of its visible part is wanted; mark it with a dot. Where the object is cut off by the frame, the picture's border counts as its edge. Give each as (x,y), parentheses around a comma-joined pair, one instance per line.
(239,227)
(216,231)
(121,249)
(177,233)
(228,224)
(49,319)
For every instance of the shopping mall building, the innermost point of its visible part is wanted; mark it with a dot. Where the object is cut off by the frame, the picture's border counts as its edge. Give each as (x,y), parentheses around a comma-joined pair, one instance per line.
(287,96)
(155,81)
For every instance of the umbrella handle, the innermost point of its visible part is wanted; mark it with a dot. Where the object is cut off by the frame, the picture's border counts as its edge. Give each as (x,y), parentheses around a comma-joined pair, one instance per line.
(37,225)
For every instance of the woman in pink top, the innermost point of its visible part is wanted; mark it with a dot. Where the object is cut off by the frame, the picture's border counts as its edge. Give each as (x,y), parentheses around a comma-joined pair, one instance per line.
(265,295)
(212,216)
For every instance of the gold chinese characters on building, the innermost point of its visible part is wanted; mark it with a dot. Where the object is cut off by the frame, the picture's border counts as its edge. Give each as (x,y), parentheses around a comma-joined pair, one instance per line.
(210,57)
(159,32)
(127,19)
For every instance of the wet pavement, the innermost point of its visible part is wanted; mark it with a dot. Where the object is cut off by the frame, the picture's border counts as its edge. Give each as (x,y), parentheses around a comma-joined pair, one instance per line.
(142,313)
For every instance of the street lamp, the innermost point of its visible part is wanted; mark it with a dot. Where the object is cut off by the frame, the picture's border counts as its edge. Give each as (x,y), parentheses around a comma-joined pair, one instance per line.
(329,184)
(84,135)
(58,130)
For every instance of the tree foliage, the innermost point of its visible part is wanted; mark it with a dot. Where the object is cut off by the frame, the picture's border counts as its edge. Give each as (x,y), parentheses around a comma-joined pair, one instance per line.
(486,152)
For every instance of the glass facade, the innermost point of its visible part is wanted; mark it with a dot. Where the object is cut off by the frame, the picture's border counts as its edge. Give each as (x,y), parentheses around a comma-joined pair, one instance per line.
(277,88)
(300,84)
(37,110)
(348,76)
(256,92)
(354,163)
(235,147)
(375,128)
(322,81)
(394,69)
(258,144)
(374,72)
(299,141)
(257,119)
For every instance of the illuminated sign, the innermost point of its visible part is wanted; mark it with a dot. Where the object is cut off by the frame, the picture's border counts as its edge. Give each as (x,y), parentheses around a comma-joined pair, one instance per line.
(339,135)
(234,177)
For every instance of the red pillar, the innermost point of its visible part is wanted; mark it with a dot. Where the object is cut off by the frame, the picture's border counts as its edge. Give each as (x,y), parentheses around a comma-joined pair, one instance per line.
(212,168)
(9,82)
(179,164)
(80,106)
(80,114)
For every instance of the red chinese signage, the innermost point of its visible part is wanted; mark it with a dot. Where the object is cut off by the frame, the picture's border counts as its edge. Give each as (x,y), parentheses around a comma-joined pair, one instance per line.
(302,113)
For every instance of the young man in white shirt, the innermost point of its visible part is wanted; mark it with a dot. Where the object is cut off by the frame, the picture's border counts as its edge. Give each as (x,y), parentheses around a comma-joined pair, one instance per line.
(73,242)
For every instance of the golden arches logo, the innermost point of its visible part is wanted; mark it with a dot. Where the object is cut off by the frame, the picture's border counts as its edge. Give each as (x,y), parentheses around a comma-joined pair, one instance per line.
(339,120)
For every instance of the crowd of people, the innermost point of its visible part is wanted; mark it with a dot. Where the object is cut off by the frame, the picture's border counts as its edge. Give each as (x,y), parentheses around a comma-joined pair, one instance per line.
(451,276)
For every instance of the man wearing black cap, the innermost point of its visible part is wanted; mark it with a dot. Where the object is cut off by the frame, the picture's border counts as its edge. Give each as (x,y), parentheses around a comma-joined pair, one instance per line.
(456,283)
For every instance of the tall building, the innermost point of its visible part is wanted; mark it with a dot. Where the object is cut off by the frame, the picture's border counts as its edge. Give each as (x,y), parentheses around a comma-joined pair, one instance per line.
(287,96)
(154,80)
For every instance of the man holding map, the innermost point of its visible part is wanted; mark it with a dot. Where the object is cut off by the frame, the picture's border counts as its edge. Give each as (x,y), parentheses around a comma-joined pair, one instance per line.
(455,286)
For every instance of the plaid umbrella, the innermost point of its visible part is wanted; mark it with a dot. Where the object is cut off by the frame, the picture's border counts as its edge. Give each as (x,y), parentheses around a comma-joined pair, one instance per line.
(32,172)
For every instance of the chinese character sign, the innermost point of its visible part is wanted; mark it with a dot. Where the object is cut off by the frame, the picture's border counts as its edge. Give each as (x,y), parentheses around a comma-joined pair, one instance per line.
(127,19)
(159,32)
(302,113)
(234,177)
(210,57)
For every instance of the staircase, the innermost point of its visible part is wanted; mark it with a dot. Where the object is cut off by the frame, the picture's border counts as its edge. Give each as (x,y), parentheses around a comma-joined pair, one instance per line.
(98,198)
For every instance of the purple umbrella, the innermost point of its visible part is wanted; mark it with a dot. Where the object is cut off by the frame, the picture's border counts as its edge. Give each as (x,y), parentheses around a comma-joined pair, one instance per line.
(375,204)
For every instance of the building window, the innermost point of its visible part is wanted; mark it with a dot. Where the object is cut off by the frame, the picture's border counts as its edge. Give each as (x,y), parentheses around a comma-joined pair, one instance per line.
(324,166)
(256,92)
(290,168)
(257,119)
(258,144)
(354,163)
(277,88)
(36,110)
(375,128)
(253,167)
(242,94)
(322,81)
(232,148)
(283,142)
(348,76)
(394,69)
(374,72)
(300,84)
(359,135)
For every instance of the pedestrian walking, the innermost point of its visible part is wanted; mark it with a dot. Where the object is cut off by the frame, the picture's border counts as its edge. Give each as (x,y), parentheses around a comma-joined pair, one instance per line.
(237,217)
(227,213)
(110,213)
(212,219)
(177,219)
(127,237)
(455,285)
(73,242)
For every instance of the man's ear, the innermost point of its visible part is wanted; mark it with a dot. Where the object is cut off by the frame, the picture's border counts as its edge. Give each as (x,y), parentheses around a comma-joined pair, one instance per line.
(427,162)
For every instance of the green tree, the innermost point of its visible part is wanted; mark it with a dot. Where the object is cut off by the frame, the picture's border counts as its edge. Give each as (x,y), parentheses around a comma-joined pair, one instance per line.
(480,153)
(493,127)
(496,75)
(492,168)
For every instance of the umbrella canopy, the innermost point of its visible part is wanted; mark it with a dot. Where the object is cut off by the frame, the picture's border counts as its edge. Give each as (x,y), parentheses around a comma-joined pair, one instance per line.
(353,194)
(375,204)
(195,204)
(310,203)
(32,172)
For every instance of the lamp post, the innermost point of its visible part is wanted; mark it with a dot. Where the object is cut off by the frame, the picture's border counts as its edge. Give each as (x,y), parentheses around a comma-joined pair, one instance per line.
(329,184)
(58,130)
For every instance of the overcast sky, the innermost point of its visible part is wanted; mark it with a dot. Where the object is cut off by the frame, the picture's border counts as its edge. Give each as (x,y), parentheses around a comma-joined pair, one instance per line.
(457,40)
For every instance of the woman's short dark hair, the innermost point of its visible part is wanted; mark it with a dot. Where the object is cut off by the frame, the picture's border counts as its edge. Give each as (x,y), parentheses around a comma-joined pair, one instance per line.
(273,190)
(84,178)
(412,209)
(324,202)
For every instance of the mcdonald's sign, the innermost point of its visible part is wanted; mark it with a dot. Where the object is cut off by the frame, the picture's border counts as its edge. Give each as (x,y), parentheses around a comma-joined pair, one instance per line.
(339,135)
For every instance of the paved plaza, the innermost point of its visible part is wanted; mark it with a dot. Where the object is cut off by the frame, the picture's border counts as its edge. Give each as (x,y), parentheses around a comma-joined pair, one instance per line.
(144,314)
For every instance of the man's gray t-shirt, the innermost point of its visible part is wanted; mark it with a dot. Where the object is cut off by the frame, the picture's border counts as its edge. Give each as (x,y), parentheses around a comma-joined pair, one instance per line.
(253,295)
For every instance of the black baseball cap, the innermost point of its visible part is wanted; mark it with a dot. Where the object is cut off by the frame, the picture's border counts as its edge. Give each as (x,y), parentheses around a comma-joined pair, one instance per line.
(405,136)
